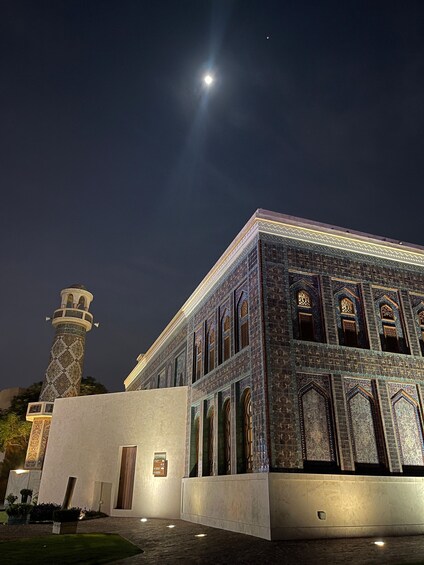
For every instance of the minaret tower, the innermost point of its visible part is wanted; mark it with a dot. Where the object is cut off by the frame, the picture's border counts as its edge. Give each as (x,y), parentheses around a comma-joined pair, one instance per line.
(64,372)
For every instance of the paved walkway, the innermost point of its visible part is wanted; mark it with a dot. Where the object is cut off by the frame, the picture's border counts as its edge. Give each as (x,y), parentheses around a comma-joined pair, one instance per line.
(167,546)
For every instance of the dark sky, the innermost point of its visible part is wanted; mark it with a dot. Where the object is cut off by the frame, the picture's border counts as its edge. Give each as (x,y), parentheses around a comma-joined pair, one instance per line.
(119,171)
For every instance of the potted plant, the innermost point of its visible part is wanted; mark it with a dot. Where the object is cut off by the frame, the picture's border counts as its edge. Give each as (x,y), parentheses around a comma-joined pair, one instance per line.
(66,521)
(11,499)
(25,494)
(18,514)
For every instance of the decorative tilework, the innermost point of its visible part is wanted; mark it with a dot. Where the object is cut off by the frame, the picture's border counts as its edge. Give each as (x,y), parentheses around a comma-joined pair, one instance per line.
(316,421)
(407,420)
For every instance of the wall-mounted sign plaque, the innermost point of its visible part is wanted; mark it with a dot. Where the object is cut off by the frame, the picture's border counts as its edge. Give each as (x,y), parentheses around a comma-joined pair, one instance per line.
(160,465)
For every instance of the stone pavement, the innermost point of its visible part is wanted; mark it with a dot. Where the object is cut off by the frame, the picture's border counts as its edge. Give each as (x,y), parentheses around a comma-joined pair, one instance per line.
(167,546)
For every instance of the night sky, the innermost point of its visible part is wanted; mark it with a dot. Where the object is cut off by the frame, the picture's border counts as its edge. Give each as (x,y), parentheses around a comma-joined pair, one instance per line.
(119,170)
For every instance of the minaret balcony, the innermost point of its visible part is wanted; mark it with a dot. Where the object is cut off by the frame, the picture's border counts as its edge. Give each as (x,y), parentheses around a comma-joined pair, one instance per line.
(73,316)
(39,410)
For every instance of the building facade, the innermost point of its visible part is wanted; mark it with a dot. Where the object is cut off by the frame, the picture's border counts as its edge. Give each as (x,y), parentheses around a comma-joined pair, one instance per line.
(302,355)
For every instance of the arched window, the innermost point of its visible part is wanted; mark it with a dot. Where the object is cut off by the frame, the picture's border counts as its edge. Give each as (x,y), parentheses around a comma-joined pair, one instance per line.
(227,436)
(346,306)
(348,320)
(81,303)
(390,333)
(210,353)
(305,316)
(210,433)
(242,323)
(304,299)
(70,301)
(225,336)
(247,431)
(386,312)
(197,357)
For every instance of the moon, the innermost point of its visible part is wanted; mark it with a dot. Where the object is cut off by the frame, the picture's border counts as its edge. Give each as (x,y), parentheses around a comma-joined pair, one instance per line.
(208,79)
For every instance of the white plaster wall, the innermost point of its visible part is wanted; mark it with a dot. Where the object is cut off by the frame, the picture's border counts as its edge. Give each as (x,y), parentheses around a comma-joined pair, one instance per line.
(354,505)
(86,438)
(239,503)
(286,505)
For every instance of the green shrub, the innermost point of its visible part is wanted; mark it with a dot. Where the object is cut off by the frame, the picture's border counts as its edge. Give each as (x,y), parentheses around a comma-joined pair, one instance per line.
(43,512)
(70,515)
(18,510)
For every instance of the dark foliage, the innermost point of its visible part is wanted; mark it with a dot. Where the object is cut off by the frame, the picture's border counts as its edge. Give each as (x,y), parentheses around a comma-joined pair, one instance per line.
(70,515)
(43,512)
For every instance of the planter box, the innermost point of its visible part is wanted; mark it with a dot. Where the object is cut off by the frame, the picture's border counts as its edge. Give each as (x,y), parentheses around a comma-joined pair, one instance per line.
(65,527)
(17,520)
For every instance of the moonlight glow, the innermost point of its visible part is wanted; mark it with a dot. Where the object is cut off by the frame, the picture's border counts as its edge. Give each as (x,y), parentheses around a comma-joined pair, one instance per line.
(208,80)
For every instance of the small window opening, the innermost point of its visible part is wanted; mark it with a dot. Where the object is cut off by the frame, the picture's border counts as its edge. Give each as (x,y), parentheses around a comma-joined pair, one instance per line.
(350,333)
(391,338)
(306,326)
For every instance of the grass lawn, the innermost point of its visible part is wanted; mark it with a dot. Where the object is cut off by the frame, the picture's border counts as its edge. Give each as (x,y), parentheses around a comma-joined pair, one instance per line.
(67,549)
(3,517)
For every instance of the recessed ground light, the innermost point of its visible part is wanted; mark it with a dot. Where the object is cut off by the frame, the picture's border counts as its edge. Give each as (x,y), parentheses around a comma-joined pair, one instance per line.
(379,543)
(171,526)
(143,520)
(200,535)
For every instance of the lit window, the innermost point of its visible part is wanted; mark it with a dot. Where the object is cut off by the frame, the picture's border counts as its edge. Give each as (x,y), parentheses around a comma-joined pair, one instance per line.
(346,306)
(303,299)
(243,323)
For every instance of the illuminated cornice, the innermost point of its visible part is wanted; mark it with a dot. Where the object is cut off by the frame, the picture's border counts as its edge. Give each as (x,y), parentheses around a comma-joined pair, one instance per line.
(288,227)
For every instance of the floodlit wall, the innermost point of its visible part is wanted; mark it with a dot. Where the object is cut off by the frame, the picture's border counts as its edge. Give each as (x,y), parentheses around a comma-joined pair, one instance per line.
(306,506)
(86,440)
(353,506)
(239,503)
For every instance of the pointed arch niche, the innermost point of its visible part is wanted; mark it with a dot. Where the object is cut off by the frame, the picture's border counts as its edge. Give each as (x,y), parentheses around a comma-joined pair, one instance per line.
(318,443)
(408,427)
(364,427)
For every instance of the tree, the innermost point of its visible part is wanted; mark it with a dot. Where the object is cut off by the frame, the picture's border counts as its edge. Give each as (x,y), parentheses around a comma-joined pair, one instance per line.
(19,403)
(90,386)
(14,432)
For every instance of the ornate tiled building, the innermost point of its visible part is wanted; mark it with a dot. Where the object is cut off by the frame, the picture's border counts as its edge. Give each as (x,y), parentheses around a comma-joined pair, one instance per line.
(302,350)
(301,354)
